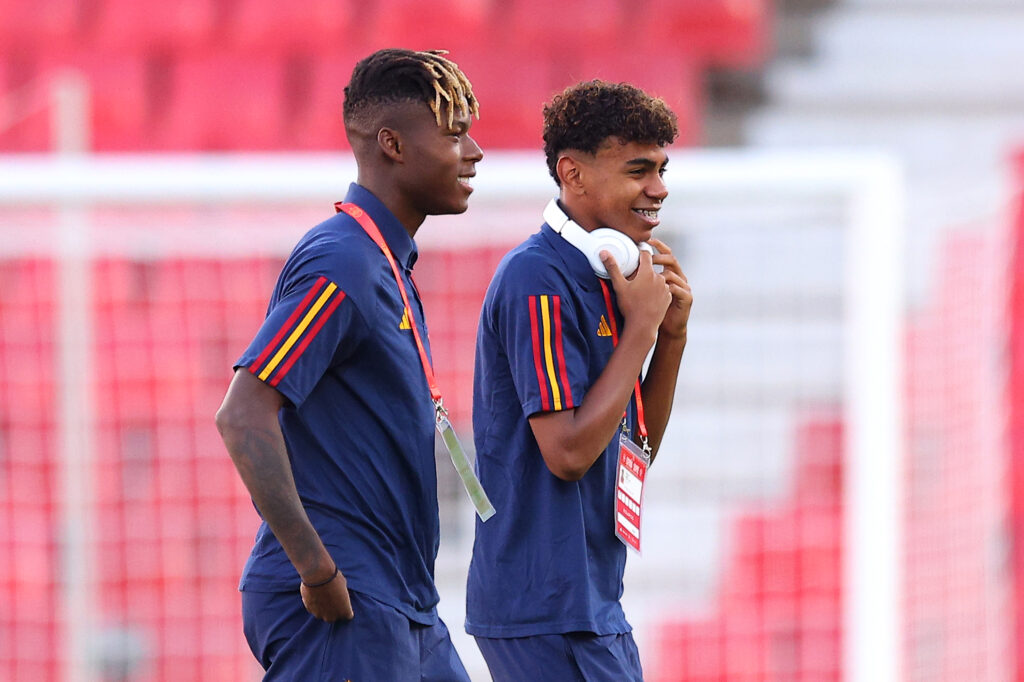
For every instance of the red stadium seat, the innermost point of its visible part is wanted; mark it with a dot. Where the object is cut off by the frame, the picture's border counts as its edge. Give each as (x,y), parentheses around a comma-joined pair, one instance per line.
(119,104)
(132,26)
(511,96)
(540,26)
(464,23)
(1015,391)
(668,74)
(222,102)
(25,117)
(313,106)
(269,26)
(29,25)
(722,32)
(779,607)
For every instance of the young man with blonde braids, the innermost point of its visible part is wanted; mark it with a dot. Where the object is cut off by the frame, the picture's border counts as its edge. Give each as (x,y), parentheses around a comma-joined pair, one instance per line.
(563,336)
(329,418)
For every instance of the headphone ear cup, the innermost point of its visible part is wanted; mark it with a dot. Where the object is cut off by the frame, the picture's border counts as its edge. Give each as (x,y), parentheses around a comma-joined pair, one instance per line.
(621,247)
(591,244)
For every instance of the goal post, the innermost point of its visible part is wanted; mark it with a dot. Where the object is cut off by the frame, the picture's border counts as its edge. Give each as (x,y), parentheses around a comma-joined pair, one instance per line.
(175,238)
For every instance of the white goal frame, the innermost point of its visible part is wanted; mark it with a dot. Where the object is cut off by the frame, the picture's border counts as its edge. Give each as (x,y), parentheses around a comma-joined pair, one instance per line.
(869,187)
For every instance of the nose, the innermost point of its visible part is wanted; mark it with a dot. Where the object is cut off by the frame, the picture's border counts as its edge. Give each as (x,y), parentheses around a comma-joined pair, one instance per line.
(657,188)
(471,150)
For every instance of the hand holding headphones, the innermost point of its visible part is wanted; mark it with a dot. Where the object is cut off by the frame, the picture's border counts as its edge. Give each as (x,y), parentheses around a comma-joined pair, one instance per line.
(625,251)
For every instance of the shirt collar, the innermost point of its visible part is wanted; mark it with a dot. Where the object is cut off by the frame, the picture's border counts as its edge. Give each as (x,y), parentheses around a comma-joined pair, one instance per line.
(576,264)
(402,246)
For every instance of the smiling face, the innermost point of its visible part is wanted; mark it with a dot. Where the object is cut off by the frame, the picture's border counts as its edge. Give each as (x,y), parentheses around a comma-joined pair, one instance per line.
(439,161)
(620,186)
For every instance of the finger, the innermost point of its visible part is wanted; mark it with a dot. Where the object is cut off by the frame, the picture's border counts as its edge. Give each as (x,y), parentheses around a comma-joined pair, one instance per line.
(614,273)
(660,246)
(681,294)
(673,277)
(669,264)
(646,261)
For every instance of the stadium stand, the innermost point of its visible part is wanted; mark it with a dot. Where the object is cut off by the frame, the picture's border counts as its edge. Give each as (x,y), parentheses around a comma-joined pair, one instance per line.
(133,28)
(777,615)
(1015,392)
(778,612)
(736,34)
(222,102)
(28,499)
(265,28)
(204,75)
(24,120)
(935,83)
(246,75)
(27,26)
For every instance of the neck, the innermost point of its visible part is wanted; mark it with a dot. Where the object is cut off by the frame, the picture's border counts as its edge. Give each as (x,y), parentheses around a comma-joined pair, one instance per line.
(389,195)
(573,210)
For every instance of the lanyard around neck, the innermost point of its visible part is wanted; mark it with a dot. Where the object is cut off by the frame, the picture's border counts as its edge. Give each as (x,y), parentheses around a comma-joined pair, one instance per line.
(477,494)
(370,227)
(640,423)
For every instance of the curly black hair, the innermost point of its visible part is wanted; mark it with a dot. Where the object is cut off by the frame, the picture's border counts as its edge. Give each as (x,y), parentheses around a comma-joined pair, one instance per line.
(584,115)
(395,75)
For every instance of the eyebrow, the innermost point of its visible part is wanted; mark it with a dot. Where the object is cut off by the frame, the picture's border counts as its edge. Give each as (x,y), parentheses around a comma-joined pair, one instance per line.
(646,163)
(458,127)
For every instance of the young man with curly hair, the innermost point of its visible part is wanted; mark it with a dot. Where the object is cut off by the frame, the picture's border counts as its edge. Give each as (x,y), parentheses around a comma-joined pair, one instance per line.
(329,419)
(563,336)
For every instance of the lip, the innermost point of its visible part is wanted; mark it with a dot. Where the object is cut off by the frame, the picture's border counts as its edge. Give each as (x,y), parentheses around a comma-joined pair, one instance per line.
(653,221)
(463,181)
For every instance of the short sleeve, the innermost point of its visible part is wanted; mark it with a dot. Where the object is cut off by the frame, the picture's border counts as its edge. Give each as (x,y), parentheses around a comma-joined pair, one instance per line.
(306,331)
(538,322)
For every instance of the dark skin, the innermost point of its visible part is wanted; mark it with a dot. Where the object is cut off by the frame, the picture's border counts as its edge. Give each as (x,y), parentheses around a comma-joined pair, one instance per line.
(621,186)
(416,168)
(413,165)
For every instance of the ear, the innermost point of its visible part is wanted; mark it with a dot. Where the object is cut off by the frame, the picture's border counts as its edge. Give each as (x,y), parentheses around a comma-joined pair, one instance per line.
(570,172)
(390,144)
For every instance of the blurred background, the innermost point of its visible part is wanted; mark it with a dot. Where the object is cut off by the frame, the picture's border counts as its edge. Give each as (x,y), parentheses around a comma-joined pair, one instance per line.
(840,495)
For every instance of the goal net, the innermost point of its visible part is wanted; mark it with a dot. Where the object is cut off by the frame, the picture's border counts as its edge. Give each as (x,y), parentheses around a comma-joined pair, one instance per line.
(813,515)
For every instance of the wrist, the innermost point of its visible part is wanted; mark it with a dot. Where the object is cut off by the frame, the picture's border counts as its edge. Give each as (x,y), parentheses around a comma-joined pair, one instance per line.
(639,335)
(321,583)
(674,335)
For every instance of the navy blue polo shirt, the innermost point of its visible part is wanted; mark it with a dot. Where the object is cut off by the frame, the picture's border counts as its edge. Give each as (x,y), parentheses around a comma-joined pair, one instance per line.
(358,420)
(548,562)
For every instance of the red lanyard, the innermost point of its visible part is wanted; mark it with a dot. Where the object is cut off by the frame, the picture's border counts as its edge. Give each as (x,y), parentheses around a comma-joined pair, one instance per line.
(371,229)
(640,423)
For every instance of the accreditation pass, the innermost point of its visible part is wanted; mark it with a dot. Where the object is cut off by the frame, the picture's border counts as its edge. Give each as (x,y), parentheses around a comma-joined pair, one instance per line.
(629,492)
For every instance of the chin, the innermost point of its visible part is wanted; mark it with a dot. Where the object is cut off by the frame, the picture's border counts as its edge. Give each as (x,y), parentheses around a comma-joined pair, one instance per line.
(451,209)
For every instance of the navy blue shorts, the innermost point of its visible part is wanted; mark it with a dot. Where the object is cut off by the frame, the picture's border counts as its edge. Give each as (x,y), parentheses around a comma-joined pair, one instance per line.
(378,644)
(572,657)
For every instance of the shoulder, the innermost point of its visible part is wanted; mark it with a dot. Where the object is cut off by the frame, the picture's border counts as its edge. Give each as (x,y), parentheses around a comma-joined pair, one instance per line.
(339,250)
(533,267)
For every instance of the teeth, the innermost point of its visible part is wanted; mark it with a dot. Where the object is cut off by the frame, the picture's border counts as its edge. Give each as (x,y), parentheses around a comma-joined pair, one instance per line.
(646,213)
(465,179)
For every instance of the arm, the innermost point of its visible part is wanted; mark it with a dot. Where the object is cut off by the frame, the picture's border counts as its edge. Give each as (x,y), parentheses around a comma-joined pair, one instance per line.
(659,386)
(571,440)
(248,424)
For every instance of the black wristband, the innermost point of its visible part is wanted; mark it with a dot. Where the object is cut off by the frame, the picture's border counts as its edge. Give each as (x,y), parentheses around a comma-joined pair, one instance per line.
(322,583)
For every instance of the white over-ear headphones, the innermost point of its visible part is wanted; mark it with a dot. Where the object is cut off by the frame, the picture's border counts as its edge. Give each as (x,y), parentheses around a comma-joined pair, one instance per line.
(625,251)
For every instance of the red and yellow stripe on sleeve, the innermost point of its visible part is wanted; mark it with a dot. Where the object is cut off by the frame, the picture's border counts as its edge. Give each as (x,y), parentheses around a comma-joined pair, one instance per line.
(298,331)
(548,353)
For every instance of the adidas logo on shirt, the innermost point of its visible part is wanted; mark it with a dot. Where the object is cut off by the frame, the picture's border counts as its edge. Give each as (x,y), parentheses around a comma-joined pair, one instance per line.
(603,329)
(405,321)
